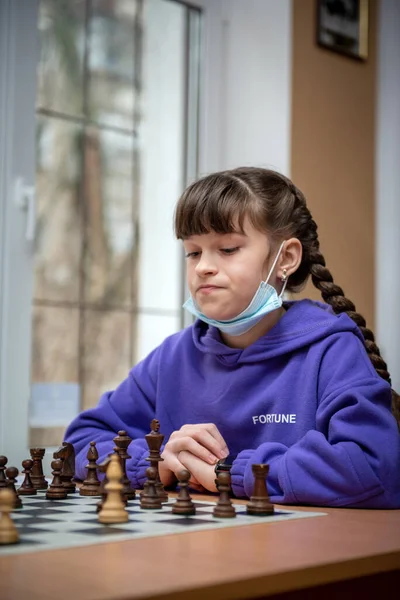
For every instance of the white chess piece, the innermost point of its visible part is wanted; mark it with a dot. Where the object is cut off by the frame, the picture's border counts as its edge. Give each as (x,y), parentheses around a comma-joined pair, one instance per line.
(8,531)
(113,510)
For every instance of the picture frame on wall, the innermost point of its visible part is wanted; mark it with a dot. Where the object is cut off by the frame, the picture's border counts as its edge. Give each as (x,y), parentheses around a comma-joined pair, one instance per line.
(342,27)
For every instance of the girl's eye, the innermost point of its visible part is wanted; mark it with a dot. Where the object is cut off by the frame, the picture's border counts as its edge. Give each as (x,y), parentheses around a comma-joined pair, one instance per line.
(191,254)
(229,250)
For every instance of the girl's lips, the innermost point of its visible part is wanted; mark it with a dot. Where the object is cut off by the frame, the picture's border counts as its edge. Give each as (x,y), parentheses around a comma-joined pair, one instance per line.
(207,289)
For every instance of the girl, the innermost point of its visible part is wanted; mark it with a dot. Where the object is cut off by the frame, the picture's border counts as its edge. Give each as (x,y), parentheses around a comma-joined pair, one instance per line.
(298,385)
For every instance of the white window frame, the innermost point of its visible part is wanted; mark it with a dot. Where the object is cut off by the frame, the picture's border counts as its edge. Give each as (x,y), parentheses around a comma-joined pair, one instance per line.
(18,60)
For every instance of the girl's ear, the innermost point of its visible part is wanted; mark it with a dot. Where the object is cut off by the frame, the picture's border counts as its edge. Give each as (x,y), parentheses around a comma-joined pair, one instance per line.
(290,258)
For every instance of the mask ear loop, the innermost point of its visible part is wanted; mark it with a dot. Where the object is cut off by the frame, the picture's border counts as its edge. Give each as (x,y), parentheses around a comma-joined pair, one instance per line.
(275,261)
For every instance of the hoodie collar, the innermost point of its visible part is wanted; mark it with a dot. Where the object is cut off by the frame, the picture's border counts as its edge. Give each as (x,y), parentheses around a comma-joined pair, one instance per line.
(304,322)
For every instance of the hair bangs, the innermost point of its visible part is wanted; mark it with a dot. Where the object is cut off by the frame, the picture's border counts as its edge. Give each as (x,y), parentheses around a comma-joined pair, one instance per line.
(218,203)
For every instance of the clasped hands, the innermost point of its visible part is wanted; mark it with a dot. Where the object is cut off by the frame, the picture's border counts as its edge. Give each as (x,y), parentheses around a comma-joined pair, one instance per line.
(196,448)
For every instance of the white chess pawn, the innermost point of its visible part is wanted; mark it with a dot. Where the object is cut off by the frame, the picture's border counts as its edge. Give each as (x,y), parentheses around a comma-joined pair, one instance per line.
(8,531)
(113,510)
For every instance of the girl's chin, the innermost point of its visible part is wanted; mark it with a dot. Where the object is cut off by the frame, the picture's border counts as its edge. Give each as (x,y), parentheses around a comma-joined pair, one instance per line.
(212,312)
(218,316)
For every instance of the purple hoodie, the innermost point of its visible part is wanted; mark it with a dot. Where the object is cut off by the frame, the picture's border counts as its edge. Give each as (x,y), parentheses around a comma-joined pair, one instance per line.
(304,398)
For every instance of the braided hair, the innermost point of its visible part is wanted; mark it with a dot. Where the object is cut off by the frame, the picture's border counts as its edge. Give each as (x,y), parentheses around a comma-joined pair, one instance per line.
(221,201)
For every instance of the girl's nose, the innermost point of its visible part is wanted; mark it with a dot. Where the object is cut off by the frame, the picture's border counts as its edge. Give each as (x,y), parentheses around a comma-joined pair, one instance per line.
(206,266)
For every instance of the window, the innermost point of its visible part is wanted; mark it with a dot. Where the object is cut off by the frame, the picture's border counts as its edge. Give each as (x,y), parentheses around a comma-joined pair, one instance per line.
(116,143)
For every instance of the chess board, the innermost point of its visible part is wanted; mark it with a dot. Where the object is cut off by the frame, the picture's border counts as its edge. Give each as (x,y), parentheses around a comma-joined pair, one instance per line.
(50,524)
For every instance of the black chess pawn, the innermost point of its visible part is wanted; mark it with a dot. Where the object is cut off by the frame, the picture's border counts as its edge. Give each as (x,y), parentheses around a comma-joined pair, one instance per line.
(3,478)
(56,489)
(183,504)
(122,441)
(224,507)
(149,499)
(260,503)
(103,493)
(26,488)
(102,468)
(12,474)
(38,479)
(91,485)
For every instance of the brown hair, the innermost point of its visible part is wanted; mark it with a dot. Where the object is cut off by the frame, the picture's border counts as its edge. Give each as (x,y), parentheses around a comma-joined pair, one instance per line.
(219,202)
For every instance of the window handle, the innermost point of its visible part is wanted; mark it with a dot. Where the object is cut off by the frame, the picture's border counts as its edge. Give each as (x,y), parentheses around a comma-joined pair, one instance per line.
(25,199)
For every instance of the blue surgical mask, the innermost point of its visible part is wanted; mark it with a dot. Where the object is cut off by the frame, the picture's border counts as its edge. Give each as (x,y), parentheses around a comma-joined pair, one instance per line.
(264,301)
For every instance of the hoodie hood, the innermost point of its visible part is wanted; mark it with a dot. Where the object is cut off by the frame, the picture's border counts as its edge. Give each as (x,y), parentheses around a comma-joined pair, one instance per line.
(304,323)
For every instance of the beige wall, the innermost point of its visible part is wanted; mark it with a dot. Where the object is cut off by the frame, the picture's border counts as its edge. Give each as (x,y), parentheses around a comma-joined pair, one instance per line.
(332,156)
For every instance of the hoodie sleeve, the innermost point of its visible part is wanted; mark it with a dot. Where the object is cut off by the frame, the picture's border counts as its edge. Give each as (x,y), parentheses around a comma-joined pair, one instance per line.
(130,407)
(352,458)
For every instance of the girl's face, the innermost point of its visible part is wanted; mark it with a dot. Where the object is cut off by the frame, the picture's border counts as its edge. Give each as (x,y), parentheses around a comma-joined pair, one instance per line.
(225,270)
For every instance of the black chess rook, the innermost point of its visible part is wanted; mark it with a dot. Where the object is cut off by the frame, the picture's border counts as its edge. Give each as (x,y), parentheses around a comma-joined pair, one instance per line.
(37,476)
(260,504)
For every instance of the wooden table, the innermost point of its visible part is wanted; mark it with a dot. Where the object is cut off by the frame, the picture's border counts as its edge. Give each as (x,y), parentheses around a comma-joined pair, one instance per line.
(348,553)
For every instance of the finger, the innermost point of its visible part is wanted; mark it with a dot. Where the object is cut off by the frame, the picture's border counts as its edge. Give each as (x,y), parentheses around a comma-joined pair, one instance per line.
(208,435)
(201,471)
(172,462)
(204,437)
(189,444)
(189,461)
(196,486)
(213,430)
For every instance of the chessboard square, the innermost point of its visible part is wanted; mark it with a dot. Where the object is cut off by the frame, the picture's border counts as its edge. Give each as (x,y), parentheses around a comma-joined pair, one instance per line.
(27,541)
(184,521)
(78,499)
(204,518)
(46,503)
(34,520)
(282,513)
(27,530)
(54,511)
(151,516)
(102,530)
(67,526)
(37,498)
(52,518)
(25,514)
(78,508)
(72,516)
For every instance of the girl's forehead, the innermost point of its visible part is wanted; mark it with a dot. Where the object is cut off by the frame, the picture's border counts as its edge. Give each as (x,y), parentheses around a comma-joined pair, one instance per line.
(242,230)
